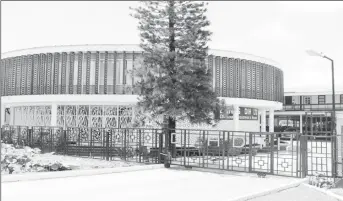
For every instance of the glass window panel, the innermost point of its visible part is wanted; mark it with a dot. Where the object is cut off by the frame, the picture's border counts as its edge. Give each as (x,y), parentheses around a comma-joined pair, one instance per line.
(321,99)
(307,100)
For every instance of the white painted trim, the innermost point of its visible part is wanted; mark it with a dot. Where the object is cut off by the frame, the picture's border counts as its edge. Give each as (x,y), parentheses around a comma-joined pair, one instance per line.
(253,103)
(70,100)
(126,48)
(116,99)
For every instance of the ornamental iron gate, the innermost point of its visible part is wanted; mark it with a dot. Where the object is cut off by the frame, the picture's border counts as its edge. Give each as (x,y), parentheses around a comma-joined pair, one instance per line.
(286,154)
(321,145)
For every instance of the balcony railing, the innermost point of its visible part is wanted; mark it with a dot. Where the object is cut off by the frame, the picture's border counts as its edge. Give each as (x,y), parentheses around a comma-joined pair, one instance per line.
(312,107)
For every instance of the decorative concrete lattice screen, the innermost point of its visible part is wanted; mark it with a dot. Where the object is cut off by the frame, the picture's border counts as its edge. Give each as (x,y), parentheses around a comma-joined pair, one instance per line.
(32,116)
(109,116)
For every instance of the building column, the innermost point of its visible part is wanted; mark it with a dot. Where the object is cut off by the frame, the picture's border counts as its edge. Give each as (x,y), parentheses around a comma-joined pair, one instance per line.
(271,121)
(12,116)
(236,118)
(301,123)
(263,120)
(53,114)
(3,112)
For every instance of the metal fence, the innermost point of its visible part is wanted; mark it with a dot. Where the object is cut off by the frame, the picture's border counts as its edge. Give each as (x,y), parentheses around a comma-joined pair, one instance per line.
(286,154)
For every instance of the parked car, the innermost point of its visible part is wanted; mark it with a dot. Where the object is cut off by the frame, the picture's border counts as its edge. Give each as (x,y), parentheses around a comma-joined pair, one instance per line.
(289,132)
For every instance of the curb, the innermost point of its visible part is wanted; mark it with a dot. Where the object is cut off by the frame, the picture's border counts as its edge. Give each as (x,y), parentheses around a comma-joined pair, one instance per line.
(329,193)
(268,192)
(75,173)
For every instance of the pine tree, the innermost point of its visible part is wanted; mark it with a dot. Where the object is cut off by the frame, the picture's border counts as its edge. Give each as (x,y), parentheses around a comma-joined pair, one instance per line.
(174,79)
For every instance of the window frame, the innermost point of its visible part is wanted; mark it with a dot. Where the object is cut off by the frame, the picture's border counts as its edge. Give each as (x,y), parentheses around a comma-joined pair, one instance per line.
(307,98)
(320,98)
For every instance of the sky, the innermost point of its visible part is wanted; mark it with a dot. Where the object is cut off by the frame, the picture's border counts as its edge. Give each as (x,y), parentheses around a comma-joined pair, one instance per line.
(281,31)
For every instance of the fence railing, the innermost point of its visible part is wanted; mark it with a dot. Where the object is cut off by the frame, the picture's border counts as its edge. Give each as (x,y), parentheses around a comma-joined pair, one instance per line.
(287,154)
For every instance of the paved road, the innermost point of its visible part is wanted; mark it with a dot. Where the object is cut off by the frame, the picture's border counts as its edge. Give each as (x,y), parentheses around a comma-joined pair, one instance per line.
(152,185)
(300,193)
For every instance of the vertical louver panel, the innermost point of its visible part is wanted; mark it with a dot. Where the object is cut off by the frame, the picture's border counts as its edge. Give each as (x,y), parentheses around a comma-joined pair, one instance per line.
(231,79)
(258,80)
(248,77)
(97,60)
(14,73)
(225,76)
(23,75)
(29,75)
(42,74)
(88,72)
(18,76)
(105,72)
(265,82)
(56,73)
(64,73)
(238,77)
(48,74)
(35,75)
(71,72)
(243,79)
(79,72)
(253,79)
(6,77)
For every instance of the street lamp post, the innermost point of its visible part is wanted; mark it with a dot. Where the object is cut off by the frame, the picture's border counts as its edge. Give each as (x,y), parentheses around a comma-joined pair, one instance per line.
(333,118)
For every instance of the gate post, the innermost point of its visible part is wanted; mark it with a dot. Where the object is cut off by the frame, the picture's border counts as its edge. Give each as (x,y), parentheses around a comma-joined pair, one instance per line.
(124,148)
(272,153)
(140,150)
(108,143)
(303,156)
(250,152)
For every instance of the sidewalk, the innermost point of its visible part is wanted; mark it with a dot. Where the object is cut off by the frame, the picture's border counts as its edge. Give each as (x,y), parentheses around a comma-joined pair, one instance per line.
(299,193)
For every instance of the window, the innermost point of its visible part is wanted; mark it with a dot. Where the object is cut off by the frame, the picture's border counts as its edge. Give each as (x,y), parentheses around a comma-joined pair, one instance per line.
(288,100)
(321,99)
(341,97)
(307,100)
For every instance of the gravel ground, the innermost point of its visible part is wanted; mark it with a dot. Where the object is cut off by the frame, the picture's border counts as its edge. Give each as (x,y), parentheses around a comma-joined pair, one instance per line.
(300,193)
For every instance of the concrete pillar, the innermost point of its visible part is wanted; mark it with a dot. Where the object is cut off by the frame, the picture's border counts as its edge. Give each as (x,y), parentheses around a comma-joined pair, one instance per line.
(263,120)
(54,114)
(271,121)
(236,118)
(12,116)
(2,115)
(301,124)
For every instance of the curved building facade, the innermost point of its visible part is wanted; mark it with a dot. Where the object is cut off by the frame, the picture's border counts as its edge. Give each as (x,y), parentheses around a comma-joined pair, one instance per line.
(92,86)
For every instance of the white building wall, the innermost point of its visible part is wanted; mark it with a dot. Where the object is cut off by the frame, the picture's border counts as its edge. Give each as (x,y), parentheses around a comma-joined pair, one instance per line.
(244,125)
